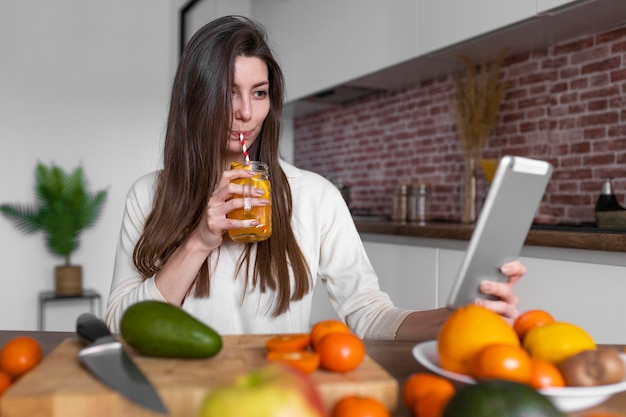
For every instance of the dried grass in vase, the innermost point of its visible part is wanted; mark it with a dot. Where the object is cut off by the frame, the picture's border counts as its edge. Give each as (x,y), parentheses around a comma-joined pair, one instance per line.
(477,104)
(476,110)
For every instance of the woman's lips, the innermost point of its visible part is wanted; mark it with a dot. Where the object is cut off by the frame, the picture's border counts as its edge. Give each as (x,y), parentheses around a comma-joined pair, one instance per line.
(236,134)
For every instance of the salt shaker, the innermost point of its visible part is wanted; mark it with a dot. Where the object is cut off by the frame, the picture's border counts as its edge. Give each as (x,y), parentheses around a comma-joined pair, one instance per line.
(400,211)
(419,203)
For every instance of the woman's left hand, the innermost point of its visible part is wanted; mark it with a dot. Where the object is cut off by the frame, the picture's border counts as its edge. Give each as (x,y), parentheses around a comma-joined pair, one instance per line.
(506,305)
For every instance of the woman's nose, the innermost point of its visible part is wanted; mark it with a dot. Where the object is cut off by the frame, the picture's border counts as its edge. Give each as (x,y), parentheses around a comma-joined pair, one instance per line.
(243,109)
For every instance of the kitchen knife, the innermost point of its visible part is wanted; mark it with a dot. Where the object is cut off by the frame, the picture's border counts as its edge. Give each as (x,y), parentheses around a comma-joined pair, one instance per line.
(107,360)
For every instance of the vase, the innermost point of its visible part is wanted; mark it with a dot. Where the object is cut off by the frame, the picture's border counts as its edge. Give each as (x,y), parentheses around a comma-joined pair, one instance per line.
(68,280)
(469,191)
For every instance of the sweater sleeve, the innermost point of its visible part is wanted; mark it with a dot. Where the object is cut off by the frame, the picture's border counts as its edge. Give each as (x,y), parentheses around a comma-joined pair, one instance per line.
(349,278)
(128,286)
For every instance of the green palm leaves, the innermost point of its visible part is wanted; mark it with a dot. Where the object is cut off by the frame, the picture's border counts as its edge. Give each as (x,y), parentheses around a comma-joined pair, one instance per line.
(64,208)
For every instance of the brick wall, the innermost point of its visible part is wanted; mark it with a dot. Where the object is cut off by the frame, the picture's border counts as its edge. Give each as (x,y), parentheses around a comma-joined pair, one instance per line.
(565,104)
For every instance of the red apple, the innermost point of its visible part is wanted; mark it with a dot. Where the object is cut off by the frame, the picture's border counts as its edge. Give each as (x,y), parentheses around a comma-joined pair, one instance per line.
(271,391)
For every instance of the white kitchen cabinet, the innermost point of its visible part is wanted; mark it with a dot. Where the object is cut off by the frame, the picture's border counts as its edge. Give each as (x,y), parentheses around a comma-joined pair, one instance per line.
(308,41)
(324,43)
(589,295)
(378,34)
(545,5)
(442,23)
(583,287)
(449,264)
(406,273)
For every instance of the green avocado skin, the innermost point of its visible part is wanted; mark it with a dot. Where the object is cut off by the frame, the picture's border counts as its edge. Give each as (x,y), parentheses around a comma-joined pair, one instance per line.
(499,398)
(155,328)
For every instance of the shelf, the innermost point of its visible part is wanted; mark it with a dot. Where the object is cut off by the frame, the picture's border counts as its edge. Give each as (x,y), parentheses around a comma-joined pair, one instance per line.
(568,236)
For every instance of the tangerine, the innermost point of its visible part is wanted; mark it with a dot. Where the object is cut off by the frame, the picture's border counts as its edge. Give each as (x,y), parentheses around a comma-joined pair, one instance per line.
(555,342)
(502,362)
(359,406)
(529,319)
(341,352)
(5,382)
(19,355)
(326,327)
(426,394)
(288,342)
(545,375)
(305,360)
(466,331)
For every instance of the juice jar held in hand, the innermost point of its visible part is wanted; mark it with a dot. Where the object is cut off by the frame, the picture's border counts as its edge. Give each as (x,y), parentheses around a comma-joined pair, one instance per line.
(263,214)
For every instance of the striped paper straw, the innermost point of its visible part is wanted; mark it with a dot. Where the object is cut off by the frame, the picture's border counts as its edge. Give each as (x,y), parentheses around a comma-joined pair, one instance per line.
(245,150)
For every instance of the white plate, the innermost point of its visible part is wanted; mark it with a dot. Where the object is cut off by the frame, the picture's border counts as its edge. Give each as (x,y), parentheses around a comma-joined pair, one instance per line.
(566,399)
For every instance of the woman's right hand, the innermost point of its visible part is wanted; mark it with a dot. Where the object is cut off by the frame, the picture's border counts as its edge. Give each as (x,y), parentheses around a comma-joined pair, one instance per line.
(214,223)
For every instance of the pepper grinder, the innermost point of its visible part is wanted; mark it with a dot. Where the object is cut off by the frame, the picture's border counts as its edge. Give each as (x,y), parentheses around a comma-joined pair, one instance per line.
(607,201)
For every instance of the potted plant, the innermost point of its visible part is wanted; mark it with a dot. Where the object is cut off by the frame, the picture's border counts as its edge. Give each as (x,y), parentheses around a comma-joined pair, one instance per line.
(64,208)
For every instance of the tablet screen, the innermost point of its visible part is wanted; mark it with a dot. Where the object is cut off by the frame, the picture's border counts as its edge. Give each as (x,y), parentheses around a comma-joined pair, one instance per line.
(503,224)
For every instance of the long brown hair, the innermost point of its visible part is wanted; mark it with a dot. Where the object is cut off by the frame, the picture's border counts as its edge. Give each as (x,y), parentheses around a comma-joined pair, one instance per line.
(195,155)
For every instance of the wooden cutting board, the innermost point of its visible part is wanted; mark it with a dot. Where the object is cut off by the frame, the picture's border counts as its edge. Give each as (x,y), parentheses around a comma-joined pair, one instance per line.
(60,387)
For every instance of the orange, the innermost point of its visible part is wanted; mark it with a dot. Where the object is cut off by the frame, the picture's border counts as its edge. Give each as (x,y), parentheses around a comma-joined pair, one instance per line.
(466,331)
(288,342)
(427,394)
(502,362)
(325,327)
(19,355)
(341,352)
(555,342)
(529,319)
(304,360)
(545,375)
(5,382)
(359,406)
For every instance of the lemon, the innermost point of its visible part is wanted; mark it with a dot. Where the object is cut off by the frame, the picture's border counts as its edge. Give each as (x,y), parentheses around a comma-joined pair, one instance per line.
(555,342)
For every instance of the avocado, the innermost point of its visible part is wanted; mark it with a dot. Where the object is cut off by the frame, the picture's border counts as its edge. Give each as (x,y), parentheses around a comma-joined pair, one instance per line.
(499,398)
(155,328)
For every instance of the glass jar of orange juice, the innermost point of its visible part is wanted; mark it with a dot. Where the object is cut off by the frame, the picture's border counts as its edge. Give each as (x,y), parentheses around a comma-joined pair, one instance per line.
(263,214)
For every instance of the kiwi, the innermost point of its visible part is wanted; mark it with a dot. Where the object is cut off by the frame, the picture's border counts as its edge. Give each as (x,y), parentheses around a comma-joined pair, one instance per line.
(589,368)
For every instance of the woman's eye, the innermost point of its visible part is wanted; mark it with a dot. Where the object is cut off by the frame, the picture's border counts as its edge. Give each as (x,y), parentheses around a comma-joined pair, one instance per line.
(261,93)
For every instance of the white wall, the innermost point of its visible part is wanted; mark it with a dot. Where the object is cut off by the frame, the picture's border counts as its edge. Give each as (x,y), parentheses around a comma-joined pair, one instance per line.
(81,82)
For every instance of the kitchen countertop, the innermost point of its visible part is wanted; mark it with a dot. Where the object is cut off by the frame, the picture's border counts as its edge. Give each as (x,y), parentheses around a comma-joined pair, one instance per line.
(566,236)
(394,356)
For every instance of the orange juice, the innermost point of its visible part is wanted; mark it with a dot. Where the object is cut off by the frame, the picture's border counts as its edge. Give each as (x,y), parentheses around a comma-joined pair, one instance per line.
(262,214)
(489,167)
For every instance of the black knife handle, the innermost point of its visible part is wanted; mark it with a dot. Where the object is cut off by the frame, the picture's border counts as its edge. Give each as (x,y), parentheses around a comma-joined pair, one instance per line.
(90,328)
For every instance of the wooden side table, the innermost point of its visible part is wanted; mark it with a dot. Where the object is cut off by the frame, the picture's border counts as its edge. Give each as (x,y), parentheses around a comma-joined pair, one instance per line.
(45,297)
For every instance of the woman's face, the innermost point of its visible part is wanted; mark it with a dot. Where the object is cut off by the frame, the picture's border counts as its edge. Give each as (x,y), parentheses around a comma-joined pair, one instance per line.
(251,103)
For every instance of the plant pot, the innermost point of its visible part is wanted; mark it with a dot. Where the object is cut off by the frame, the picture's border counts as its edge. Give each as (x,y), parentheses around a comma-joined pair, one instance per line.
(68,280)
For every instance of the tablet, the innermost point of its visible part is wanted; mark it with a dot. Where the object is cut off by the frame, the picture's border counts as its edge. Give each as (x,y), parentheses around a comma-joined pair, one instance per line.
(504,221)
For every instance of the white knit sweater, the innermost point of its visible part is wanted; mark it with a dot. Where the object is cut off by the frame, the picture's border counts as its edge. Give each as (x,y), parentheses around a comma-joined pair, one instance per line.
(331,245)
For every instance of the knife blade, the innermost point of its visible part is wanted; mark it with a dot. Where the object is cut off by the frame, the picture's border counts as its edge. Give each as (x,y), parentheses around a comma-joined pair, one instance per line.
(105,358)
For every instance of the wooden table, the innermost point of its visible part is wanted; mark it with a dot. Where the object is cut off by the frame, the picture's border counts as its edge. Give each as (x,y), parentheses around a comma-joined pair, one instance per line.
(395,357)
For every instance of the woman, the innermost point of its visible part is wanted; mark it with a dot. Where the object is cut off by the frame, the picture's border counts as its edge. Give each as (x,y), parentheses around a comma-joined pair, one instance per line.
(173,245)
